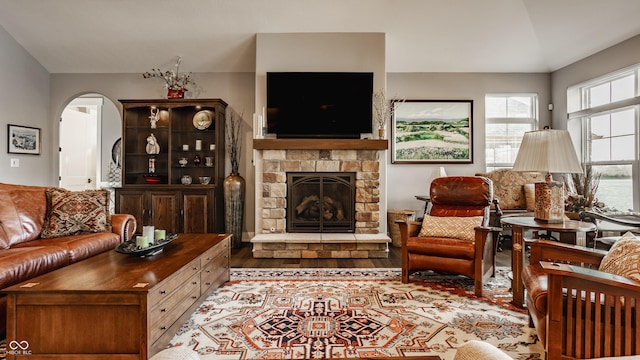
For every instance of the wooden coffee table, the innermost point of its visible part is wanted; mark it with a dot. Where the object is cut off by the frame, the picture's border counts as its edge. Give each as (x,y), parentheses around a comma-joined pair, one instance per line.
(115,306)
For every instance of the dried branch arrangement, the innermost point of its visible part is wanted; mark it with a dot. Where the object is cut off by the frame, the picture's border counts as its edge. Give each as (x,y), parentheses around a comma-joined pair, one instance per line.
(383,108)
(233,138)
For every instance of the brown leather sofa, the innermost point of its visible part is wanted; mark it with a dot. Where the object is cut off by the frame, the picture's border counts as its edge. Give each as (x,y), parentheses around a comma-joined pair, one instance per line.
(24,255)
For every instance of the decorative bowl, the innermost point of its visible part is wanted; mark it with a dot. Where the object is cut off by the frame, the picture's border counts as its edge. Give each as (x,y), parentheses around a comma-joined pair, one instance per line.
(204,179)
(152,179)
(130,247)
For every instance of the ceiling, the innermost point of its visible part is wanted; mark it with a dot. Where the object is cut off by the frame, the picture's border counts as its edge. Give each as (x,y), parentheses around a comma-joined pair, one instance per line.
(133,36)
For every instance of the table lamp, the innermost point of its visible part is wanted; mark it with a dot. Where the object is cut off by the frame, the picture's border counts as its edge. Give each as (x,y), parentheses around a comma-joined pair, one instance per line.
(548,151)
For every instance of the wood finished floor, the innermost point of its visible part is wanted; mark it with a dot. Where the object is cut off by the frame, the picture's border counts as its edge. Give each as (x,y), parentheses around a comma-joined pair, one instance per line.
(243,258)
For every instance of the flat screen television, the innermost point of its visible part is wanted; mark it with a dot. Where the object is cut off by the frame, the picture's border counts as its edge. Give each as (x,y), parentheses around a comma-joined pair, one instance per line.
(319,104)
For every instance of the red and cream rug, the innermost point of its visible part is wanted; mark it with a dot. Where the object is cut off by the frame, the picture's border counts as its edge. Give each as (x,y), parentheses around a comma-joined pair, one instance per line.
(353,313)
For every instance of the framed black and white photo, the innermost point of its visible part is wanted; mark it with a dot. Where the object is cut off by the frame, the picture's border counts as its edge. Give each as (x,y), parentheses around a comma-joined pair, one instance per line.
(23,140)
(432,132)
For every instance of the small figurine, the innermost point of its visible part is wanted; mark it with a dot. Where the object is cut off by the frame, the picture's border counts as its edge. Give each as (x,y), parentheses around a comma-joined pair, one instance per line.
(152,145)
(154,117)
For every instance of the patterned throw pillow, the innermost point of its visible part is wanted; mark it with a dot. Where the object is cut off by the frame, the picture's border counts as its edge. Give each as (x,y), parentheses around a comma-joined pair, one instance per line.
(450,227)
(74,212)
(623,258)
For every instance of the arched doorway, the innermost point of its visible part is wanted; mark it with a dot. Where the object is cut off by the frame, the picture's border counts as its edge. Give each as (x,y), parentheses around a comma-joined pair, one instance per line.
(90,130)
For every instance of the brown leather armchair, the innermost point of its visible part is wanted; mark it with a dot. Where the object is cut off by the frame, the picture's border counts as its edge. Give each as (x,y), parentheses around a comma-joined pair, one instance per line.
(453,196)
(598,319)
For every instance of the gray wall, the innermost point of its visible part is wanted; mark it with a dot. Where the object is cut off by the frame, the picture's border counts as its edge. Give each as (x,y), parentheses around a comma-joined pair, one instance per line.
(24,100)
(407,180)
(617,57)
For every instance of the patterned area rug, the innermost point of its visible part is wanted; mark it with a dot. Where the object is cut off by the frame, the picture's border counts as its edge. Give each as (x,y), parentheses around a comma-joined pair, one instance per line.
(353,313)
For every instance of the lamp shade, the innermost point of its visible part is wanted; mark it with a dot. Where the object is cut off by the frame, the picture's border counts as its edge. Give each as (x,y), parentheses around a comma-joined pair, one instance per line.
(547,151)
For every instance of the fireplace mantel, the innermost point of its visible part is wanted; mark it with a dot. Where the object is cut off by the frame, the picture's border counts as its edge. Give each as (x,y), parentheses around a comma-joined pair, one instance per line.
(320,144)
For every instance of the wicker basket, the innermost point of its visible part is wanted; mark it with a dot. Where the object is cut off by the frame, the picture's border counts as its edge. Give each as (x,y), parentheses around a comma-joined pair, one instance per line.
(394,229)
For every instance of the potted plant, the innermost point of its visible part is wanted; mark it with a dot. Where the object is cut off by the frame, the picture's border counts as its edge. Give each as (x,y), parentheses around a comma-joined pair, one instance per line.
(581,192)
(176,83)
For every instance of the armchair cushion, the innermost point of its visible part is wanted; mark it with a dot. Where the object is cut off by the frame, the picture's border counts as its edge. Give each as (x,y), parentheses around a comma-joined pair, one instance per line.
(450,227)
(74,212)
(623,258)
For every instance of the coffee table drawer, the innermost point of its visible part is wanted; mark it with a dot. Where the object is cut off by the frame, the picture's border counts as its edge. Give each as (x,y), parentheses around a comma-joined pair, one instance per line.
(221,249)
(163,290)
(161,317)
(215,273)
(166,309)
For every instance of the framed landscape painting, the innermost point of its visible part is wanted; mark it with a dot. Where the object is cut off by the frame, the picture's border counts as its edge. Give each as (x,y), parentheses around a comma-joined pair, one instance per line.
(432,132)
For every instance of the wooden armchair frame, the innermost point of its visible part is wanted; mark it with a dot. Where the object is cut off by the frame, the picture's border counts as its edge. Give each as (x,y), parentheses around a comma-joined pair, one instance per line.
(599,318)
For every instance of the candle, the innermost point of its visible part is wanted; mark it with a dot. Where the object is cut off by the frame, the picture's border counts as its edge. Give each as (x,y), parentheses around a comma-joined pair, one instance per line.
(198,145)
(185,147)
(212,147)
(160,235)
(147,231)
(142,242)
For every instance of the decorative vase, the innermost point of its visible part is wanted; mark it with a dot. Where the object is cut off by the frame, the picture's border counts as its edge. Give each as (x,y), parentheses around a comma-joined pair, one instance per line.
(175,94)
(234,191)
(380,133)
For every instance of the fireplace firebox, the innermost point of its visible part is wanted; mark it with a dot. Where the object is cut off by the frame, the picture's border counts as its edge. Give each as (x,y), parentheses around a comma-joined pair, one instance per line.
(321,202)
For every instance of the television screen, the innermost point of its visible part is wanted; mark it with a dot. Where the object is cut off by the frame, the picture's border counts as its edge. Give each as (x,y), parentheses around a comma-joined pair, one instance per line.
(319,104)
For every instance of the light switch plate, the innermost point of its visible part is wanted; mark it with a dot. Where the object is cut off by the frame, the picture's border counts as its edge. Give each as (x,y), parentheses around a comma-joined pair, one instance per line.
(15,162)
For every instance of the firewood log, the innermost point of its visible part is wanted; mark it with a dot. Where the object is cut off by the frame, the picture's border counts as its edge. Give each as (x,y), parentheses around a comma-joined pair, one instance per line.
(306,203)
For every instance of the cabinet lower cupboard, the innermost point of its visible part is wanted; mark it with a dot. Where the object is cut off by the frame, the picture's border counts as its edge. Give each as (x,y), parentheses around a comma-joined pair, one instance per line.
(174,210)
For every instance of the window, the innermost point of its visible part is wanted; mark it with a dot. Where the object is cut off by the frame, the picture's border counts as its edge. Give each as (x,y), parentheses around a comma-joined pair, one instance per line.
(507,117)
(606,111)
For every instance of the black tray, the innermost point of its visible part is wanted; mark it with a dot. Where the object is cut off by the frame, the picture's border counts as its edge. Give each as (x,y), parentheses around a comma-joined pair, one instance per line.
(130,247)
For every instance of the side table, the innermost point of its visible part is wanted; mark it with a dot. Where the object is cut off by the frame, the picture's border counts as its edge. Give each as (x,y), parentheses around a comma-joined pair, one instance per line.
(518,225)
(427,202)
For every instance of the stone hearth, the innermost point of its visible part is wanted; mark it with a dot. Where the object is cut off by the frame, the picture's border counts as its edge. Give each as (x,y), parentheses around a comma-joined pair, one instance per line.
(273,241)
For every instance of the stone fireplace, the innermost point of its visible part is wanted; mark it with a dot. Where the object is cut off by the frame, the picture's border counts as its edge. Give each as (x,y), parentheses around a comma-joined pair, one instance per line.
(278,160)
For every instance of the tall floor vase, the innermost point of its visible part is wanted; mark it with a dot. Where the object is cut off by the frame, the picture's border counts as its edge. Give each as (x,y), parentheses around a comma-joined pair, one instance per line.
(234,190)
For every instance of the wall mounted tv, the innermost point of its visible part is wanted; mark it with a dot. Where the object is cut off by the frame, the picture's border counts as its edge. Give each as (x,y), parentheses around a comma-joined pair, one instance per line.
(319,104)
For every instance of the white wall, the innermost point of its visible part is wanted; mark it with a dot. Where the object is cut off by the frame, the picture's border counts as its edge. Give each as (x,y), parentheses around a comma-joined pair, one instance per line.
(24,100)
(407,180)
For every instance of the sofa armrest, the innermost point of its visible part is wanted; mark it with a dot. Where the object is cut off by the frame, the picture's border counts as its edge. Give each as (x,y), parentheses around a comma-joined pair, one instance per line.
(124,225)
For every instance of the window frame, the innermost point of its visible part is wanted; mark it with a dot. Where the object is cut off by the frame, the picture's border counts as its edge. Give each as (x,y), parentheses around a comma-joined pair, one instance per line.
(534,120)
(584,113)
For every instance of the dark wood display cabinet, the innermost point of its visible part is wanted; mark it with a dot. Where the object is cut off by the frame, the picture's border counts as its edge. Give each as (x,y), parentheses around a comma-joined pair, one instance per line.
(170,149)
